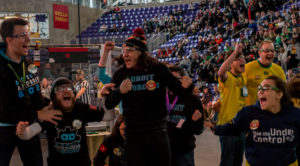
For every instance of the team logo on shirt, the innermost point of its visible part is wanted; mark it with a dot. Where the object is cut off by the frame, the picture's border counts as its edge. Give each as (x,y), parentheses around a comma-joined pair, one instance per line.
(150,85)
(32,69)
(102,148)
(257,77)
(76,124)
(254,124)
(117,152)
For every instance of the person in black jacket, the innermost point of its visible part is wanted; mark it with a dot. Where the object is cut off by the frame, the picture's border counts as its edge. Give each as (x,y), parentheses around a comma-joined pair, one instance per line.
(20,94)
(113,146)
(185,120)
(67,142)
(140,84)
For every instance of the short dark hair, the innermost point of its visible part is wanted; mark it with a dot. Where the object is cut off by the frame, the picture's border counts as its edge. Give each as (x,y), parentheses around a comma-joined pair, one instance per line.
(281,85)
(7,27)
(177,69)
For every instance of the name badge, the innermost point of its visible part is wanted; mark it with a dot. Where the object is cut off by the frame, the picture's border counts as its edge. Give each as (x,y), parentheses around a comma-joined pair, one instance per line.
(180,123)
(244,91)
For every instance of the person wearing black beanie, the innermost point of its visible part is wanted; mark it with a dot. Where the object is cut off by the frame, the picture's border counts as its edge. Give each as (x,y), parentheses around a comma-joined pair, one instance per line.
(67,142)
(141,85)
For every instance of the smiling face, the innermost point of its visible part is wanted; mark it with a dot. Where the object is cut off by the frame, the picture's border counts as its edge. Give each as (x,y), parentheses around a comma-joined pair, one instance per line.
(269,95)
(238,65)
(266,53)
(64,97)
(18,43)
(131,56)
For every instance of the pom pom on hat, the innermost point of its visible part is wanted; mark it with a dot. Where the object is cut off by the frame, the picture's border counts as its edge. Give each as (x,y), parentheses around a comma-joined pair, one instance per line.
(138,39)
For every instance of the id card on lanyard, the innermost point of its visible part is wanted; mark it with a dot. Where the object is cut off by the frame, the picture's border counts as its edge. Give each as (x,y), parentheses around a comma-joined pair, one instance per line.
(170,107)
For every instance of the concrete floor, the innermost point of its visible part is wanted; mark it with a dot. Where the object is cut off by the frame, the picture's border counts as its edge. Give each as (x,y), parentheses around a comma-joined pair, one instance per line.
(207,152)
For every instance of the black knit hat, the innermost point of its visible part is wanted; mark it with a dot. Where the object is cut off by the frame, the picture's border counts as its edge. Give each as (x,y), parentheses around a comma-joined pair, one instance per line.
(137,39)
(59,81)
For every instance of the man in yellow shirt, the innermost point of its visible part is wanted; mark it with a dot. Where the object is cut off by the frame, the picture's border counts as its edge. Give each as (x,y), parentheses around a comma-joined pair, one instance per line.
(257,71)
(232,85)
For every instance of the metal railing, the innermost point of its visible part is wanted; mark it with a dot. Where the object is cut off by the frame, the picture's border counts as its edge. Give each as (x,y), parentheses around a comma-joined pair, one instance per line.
(155,41)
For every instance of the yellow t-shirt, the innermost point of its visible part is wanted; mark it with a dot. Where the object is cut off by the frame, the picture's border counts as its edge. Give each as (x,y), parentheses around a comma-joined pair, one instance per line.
(255,74)
(231,97)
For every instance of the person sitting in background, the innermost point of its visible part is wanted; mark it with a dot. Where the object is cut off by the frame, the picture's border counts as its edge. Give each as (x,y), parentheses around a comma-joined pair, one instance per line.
(123,27)
(114,28)
(103,28)
(113,147)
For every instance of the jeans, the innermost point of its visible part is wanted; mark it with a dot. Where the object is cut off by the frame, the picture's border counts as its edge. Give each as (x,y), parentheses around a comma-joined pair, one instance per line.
(232,150)
(151,148)
(30,151)
(185,159)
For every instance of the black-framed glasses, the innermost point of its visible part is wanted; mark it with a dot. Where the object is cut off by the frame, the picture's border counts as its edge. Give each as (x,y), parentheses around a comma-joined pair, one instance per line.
(61,88)
(267,50)
(264,88)
(22,35)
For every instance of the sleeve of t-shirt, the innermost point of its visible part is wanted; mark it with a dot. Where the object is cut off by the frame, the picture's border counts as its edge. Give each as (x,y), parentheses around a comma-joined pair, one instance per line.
(102,76)
(115,96)
(92,113)
(235,127)
(197,126)
(84,84)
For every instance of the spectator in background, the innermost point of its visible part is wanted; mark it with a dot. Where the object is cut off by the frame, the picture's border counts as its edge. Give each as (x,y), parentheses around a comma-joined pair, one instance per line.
(114,28)
(82,88)
(123,28)
(45,88)
(103,28)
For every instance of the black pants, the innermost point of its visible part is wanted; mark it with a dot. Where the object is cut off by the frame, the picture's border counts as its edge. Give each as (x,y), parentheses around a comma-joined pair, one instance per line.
(148,149)
(30,151)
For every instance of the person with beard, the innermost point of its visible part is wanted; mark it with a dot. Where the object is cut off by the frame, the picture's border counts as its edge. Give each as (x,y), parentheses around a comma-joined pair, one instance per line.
(232,94)
(258,70)
(67,142)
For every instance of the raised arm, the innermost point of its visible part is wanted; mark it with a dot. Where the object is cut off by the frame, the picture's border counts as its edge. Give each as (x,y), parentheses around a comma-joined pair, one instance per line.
(222,73)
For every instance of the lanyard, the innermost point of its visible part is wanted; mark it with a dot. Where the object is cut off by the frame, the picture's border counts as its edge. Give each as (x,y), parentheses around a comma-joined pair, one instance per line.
(19,79)
(169,108)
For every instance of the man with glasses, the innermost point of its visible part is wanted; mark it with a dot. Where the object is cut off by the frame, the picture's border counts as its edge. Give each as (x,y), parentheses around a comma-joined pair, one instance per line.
(232,85)
(20,94)
(67,142)
(257,71)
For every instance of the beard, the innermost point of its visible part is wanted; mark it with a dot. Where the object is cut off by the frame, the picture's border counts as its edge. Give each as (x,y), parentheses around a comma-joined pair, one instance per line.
(58,104)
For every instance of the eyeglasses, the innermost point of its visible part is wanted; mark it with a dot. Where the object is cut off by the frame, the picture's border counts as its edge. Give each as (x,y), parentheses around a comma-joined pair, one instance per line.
(267,50)
(22,35)
(240,57)
(264,88)
(62,88)
(128,49)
